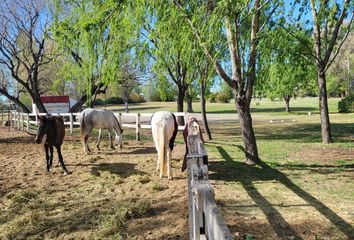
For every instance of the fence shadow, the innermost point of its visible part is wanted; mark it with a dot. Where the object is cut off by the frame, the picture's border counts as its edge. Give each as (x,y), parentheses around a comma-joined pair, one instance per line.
(231,170)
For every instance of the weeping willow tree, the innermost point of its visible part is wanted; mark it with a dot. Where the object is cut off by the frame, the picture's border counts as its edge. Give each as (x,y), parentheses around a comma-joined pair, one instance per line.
(99,37)
(168,42)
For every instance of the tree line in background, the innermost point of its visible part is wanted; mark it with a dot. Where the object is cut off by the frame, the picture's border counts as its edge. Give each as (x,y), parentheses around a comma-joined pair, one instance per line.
(124,51)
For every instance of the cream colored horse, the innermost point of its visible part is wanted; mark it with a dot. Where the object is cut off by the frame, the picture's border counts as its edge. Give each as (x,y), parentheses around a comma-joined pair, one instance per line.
(102,119)
(164,130)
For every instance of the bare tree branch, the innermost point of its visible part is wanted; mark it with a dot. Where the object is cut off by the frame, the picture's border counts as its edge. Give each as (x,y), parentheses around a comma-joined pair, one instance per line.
(341,43)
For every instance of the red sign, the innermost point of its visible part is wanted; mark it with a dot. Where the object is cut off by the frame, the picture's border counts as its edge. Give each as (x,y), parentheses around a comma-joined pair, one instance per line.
(55,99)
(55,104)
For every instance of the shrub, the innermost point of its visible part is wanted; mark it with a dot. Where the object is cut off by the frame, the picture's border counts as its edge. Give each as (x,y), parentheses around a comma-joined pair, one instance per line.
(114,100)
(346,105)
(136,98)
(212,97)
(223,97)
(98,102)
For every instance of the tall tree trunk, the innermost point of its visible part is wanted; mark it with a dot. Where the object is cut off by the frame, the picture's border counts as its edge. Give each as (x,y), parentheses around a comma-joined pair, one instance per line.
(323,104)
(126,106)
(249,139)
(126,99)
(189,101)
(203,109)
(287,102)
(40,107)
(180,98)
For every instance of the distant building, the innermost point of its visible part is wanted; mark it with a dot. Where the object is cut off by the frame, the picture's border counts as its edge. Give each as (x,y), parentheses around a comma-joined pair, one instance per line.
(55,104)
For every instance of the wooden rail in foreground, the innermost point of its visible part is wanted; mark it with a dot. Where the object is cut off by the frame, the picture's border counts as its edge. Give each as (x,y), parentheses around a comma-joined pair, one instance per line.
(205,219)
(22,121)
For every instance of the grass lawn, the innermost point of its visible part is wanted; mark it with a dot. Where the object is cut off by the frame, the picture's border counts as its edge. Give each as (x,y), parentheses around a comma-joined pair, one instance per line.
(302,190)
(297,106)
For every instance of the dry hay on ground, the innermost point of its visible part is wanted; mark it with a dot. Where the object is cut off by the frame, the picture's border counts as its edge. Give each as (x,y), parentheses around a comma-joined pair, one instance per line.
(109,194)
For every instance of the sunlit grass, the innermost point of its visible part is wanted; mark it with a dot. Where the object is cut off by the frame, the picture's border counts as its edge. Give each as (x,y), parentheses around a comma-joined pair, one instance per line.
(276,107)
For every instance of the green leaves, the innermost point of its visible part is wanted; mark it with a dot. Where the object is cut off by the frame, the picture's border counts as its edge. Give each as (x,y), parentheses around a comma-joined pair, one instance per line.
(99,35)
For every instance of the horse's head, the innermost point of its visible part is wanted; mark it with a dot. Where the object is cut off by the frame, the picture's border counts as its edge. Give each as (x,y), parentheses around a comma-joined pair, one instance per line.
(118,140)
(42,128)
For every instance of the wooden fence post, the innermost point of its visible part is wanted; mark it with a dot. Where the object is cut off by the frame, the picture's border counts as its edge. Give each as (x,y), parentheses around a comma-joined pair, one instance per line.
(71,123)
(14,120)
(185,115)
(9,119)
(27,121)
(137,127)
(22,121)
(18,121)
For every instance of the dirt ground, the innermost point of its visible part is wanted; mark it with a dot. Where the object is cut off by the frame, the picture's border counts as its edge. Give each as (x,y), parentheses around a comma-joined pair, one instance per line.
(79,205)
(117,194)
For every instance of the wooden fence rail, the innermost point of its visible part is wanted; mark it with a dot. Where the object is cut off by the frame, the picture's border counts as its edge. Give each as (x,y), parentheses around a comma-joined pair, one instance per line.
(205,219)
(22,121)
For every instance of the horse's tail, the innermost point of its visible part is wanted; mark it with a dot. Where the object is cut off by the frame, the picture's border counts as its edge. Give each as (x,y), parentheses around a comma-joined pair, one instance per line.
(82,124)
(173,137)
(162,135)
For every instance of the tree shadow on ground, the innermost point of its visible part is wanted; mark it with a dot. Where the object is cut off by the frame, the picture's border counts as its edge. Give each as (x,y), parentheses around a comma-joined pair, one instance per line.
(306,133)
(315,168)
(231,170)
(124,170)
(298,132)
(143,150)
(18,139)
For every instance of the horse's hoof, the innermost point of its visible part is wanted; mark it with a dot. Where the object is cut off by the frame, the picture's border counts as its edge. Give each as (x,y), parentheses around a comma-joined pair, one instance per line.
(113,148)
(65,173)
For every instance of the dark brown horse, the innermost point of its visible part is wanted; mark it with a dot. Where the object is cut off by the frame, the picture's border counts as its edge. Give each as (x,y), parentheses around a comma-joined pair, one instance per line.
(53,127)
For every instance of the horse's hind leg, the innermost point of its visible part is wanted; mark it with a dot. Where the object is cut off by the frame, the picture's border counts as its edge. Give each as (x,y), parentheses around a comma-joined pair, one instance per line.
(60,156)
(85,139)
(99,139)
(50,156)
(47,157)
(169,159)
(110,134)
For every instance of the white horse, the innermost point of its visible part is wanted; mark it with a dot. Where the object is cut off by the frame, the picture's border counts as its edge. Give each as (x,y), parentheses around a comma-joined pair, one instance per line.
(164,130)
(102,119)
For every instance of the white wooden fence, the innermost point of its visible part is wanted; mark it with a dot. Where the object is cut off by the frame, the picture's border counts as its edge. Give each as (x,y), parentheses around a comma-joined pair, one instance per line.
(205,219)
(22,121)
